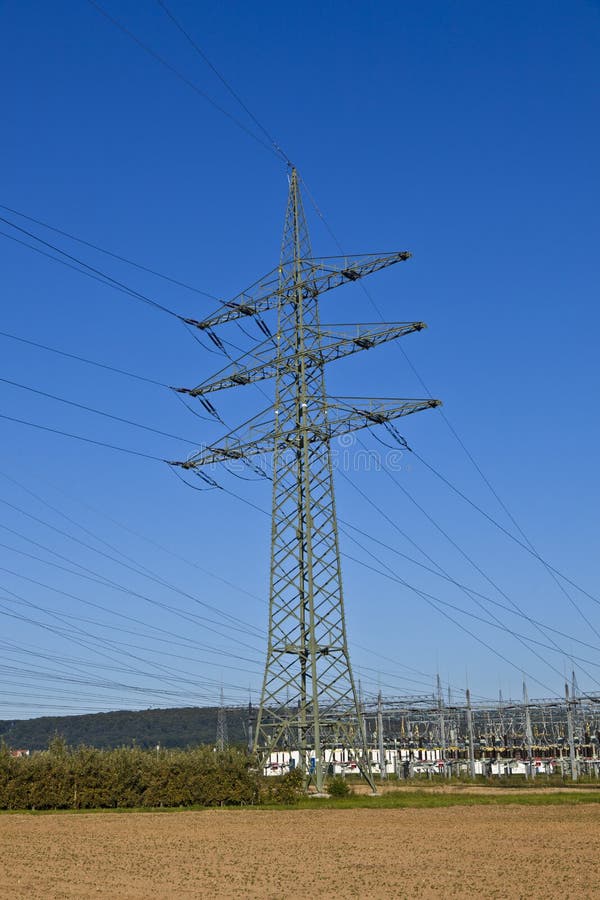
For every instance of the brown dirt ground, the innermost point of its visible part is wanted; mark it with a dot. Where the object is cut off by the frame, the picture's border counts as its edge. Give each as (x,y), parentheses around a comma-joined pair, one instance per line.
(441,788)
(502,852)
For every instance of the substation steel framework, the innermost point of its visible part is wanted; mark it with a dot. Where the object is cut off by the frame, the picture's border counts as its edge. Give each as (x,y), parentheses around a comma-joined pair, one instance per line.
(309,701)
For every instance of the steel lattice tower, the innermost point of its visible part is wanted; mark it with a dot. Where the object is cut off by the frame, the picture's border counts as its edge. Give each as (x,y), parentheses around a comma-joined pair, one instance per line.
(309,701)
(222,739)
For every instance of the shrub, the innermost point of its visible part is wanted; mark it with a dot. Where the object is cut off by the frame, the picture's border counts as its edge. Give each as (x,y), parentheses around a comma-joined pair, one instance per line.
(286,789)
(338,786)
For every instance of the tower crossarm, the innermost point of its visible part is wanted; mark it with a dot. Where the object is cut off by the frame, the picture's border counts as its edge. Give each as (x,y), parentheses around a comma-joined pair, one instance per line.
(343,415)
(314,277)
(332,345)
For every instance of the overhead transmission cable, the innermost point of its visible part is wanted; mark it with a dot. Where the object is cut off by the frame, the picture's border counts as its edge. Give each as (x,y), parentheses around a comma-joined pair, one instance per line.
(79,437)
(234,621)
(98,412)
(166,550)
(169,673)
(129,530)
(92,246)
(403,443)
(163,635)
(113,644)
(63,262)
(437,605)
(430,599)
(528,548)
(493,622)
(539,627)
(472,595)
(93,270)
(178,74)
(83,641)
(440,573)
(280,152)
(82,359)
(85,269)
(43,653)
(526,543)
(104,581)
(110,446)
(105,645)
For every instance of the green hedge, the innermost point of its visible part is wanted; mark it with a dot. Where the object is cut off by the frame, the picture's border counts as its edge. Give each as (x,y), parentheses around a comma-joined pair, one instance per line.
(86,778)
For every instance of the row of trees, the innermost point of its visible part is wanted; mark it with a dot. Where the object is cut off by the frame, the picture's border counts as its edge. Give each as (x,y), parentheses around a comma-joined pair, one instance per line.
(87,778)
(183,727)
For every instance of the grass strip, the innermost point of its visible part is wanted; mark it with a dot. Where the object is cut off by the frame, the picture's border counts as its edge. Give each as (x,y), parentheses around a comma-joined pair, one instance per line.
(391,800)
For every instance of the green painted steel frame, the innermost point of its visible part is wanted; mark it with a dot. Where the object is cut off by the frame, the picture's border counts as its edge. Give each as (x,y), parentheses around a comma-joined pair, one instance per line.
(309,701)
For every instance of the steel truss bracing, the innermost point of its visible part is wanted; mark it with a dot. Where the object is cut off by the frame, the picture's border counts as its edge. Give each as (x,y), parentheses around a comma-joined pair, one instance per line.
(331,346)
(309,700)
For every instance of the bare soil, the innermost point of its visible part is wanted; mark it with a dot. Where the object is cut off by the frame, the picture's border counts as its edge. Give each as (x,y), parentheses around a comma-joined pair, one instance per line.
(479,851)
(439,787)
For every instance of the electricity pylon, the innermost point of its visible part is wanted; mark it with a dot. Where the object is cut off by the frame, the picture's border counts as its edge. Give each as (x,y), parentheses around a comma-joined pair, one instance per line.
(222,741)
(309,701)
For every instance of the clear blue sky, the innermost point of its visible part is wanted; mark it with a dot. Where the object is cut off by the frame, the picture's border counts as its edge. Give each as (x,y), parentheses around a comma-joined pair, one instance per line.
(465,132)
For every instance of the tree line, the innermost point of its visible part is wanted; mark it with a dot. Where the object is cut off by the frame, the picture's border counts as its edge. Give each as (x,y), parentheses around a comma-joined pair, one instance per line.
(187,726)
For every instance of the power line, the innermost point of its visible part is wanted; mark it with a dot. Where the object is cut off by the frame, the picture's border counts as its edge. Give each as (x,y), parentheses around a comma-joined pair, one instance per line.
(101,642)
(433,601)
(466,556)
(206,648)
(89,362)
(87,663)
(162,634)
(497,622)
(98,412)
(107,279)
(112,627)
(118,256)
(104,581)
(472,595)
(528,549)
(531,548)
(171,674)
(63,262)
(233,621)
(130,531)
(79,437)
(528,546)
(223,81)
(441,573)
(181,76)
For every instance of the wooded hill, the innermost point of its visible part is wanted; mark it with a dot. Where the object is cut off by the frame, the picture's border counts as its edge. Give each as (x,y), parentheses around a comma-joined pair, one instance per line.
(184,727)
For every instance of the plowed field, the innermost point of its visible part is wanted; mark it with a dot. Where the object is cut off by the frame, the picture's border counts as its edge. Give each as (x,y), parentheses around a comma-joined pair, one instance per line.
(456,852)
